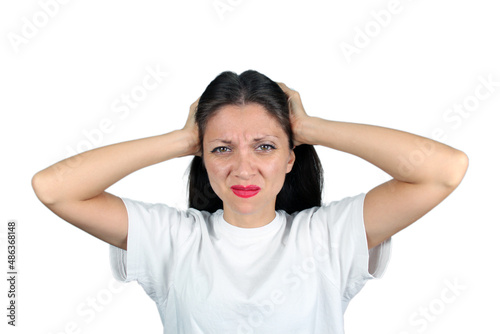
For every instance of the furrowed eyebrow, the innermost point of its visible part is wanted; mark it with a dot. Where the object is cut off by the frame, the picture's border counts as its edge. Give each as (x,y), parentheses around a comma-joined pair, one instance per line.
(221,140)
(225,141)
(261,138)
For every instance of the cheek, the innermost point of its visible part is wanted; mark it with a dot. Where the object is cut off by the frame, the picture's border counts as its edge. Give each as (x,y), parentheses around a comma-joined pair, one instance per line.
(217,173)
(274,170)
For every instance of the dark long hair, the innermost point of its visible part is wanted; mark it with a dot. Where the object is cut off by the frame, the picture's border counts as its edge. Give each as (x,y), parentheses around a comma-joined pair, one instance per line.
(303,184)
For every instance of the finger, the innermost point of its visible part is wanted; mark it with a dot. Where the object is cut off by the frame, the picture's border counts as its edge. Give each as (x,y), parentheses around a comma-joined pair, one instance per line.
(283,86)
(288,92)
(195,103)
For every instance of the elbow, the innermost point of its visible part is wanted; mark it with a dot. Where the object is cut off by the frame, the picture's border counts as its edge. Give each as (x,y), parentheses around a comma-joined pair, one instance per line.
(42,187)
(457,167)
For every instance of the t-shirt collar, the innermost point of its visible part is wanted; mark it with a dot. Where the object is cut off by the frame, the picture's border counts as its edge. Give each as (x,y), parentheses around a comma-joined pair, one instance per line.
(269,228)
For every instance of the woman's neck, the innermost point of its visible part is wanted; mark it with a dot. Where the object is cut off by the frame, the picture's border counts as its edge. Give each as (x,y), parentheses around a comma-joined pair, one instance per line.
(249,220)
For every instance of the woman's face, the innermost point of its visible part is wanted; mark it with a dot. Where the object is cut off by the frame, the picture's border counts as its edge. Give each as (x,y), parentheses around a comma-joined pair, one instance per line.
(245,146)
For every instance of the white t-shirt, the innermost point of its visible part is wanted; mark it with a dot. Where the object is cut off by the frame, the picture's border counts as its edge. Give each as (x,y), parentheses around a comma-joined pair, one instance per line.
(296,274)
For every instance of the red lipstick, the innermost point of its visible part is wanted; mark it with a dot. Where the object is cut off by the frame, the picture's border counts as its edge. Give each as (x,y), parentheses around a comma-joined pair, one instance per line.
(245,192)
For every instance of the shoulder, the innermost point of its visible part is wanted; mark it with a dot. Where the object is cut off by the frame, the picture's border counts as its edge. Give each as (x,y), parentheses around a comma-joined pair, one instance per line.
(332,220)
(164,226)
(162,209)
(164,216)
(333,210)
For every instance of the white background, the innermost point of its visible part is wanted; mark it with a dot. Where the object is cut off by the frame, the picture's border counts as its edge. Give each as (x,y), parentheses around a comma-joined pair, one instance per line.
(63,78)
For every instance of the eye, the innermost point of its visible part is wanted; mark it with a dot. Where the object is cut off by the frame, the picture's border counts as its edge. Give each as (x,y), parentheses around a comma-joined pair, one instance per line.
(220,149)
(265,147)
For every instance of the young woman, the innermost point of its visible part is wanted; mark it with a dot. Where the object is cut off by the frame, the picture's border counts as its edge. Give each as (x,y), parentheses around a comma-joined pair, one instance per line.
(257,251)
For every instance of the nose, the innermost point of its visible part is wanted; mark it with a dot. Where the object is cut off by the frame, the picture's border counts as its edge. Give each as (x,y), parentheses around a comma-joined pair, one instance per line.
(244,166)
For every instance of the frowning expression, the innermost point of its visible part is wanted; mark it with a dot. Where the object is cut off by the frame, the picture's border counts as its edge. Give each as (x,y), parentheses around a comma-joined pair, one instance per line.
(247,156)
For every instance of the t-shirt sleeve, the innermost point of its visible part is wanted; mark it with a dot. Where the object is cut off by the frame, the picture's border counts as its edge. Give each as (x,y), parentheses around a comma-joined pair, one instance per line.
(154,233)
(342,229)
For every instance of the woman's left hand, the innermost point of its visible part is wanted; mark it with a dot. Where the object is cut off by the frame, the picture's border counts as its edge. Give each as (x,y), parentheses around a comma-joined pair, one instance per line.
(298,115)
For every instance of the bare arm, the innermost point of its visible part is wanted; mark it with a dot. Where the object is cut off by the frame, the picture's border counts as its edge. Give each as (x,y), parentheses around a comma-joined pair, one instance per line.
(74,188)
(424,171)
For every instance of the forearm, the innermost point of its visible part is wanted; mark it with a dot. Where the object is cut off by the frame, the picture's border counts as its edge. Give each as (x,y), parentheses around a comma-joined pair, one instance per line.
(404,156)
(88,174)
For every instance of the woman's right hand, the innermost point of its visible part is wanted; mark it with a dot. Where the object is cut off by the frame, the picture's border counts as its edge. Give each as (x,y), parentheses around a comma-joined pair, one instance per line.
(192,129)
(74,191)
